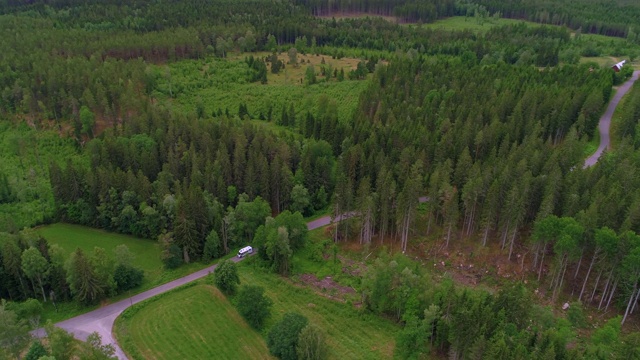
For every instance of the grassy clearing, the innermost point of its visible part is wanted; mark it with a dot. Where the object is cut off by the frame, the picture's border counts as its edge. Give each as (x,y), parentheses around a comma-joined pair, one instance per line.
(25,155)
(220,84)
(147,252)
(602,61)
(197,322)
(459,23)
(358,15)
(350,333)
(69,237)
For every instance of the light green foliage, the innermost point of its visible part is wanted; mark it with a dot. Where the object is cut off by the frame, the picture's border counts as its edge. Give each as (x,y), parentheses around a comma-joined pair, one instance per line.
(94,350)
(310,75)
(36,351)
(293,56)
(225,277)
(24,158)
(283,336)
(226,82)
(14,333)
(274,241)
(248,216)
(575,315)
(300,199)
(36,267)
(311,344)
(123,256)
(88,120)
(61,343)
(104,266)
(30,310)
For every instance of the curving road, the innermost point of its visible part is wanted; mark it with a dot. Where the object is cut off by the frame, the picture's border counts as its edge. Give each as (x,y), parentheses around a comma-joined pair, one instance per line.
(605,120)
(101,320)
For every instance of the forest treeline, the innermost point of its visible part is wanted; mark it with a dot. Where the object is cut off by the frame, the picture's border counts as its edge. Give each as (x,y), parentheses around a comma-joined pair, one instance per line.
(612,18)
(457,323)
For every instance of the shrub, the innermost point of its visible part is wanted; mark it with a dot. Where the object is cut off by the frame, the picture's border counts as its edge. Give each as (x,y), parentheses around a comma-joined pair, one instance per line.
(253,305)
(226,277)
(283,337)
(127,277)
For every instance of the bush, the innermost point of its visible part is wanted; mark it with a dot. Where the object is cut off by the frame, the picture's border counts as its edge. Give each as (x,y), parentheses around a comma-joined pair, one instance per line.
(575,315)
(226,277)
(174,259)
(127,277)
(253,305)
(36,351)
(283,337)
(311,344)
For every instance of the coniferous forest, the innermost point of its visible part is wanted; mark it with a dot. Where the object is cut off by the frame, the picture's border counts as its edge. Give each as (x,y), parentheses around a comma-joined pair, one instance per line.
(116,115)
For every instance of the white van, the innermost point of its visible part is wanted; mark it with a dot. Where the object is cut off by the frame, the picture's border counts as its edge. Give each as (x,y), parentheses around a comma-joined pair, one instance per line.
(244,251)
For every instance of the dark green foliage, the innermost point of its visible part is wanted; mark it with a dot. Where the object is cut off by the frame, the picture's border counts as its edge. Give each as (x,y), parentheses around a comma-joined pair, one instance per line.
(174,258)
(87,284)
(253,305)
(212,247)
(226,278)
(36,351)
(283,336)
(575,314)
(6,194)
(127,277)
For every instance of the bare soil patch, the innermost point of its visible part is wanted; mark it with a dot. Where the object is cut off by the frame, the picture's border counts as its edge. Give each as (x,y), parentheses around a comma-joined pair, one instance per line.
(327,287)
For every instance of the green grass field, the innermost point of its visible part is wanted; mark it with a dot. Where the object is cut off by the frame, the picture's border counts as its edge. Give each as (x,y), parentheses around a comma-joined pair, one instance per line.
(350,333)
(147,257)
(469,23)
(197,322)
(69,237)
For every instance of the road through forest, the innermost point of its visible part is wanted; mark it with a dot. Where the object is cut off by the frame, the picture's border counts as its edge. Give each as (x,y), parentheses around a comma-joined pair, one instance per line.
(605,121)
(101,320)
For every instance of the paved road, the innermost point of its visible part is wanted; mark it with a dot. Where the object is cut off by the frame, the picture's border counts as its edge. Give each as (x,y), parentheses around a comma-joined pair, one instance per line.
(102,320)
(605,120)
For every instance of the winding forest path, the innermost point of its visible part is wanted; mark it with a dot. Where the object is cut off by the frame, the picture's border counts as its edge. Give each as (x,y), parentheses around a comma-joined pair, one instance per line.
(605,121)
(101,320)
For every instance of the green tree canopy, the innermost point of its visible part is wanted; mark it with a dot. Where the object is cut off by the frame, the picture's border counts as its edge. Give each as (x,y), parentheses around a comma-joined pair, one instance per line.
(226,277)
(253,305)
(283,336)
